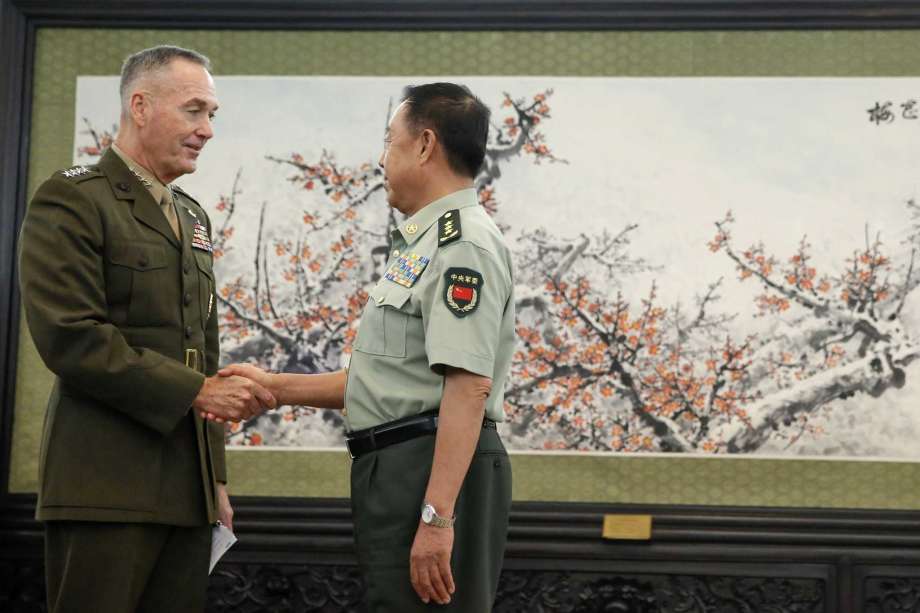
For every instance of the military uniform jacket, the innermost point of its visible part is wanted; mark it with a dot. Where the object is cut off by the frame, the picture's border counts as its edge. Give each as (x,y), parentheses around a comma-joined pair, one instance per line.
(446,299)
(116,306)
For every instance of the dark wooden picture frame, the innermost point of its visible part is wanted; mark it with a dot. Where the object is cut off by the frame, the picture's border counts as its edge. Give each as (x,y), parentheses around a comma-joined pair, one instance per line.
(844,561)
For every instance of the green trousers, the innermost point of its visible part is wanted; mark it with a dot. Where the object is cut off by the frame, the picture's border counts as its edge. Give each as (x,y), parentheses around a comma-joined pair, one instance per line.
(387,488)
(103,567)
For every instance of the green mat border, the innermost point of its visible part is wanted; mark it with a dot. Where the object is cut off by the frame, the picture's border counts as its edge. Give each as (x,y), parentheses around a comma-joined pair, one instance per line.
(63,53)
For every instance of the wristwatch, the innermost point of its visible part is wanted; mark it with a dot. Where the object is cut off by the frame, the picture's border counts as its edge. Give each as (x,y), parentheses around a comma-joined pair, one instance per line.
(431,517)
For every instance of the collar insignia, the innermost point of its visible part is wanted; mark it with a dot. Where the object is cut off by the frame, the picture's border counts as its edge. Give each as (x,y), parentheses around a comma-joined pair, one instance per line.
(146,182)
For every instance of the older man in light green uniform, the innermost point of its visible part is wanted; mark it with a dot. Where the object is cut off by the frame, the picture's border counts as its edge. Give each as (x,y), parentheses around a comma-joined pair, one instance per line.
(444,300)
(431,481)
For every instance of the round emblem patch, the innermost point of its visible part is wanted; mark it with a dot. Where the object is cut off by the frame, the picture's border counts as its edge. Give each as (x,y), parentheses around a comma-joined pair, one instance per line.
(462,290)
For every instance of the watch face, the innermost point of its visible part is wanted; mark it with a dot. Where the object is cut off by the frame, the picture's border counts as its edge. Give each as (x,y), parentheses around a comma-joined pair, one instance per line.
(427,514)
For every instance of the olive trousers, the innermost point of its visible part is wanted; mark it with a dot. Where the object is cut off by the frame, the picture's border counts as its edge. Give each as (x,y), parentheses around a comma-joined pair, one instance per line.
(100,567)
(387,491)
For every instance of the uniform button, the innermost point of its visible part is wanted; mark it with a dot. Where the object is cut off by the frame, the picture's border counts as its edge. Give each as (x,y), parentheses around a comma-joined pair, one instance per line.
(188,298)
(123,187)
(188,332)
(142,261)
(186,268)
(395,252)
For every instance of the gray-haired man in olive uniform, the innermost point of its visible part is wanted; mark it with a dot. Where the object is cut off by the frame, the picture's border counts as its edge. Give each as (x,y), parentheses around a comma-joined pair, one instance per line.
(118,290)
(431,482)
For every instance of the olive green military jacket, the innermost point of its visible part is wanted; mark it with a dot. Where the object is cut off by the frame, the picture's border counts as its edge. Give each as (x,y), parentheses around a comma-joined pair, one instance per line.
(117,306)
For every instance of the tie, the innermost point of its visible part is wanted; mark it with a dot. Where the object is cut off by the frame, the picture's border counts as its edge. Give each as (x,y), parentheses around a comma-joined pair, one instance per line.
(169,210)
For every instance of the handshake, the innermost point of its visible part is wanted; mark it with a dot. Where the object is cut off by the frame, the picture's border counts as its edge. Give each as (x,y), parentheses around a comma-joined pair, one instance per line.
(237,393)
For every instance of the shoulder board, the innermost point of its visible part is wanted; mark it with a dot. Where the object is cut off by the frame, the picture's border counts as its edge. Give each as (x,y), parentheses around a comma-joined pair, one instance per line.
(79,173)
(448,227)
(179,190)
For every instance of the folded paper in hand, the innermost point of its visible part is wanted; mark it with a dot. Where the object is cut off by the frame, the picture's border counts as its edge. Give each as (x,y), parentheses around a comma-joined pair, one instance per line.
(222,539)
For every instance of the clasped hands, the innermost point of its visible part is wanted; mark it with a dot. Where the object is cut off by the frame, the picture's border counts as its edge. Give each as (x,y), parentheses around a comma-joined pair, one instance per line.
(237,393)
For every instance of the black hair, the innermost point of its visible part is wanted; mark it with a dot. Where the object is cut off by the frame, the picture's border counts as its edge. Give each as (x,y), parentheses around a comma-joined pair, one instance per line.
(458,118)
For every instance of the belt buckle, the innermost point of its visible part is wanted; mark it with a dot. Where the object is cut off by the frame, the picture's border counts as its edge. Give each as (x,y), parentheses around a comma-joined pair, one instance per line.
(348,447)
(191,358)
(348,442)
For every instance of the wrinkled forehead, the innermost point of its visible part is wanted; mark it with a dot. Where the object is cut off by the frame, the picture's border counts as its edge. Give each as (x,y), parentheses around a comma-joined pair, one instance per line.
(185,81)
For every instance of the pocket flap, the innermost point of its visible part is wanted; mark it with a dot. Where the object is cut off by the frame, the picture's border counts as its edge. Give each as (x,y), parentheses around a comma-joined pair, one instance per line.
(137,256)
(390,294)
(203,261)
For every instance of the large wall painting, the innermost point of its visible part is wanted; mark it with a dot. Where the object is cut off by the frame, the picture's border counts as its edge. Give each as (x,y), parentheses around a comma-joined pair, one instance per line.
(703,265)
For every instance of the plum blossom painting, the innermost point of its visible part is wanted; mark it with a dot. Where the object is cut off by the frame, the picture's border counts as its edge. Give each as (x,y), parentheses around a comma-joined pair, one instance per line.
(703,265)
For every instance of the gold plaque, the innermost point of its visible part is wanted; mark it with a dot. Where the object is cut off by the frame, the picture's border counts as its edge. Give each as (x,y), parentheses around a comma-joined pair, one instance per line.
(628,527)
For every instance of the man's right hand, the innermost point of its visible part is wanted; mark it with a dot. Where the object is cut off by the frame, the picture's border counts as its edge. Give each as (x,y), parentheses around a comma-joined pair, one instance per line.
(250,371)
(232,398)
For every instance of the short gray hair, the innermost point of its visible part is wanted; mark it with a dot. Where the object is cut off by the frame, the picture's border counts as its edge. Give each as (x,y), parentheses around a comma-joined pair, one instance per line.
(149,60)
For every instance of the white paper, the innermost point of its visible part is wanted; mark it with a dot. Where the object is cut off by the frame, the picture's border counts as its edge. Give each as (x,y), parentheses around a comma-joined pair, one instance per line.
(222,539)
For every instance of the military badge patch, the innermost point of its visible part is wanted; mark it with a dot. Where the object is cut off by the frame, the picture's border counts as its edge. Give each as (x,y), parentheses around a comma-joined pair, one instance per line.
(200,238)
(462,290)
(406,269)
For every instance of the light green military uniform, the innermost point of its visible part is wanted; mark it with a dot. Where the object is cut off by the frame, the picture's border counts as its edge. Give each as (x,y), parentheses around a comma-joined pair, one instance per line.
(408,331)
(446,300)
(120,304)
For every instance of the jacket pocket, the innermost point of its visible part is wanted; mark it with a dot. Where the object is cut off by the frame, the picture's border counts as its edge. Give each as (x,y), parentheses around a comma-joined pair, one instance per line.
(384,323)
(138,276)
(98,457)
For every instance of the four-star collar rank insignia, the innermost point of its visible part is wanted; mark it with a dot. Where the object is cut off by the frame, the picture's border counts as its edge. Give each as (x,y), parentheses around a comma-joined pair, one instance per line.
(407,269)
(200,239)
(448,227)
(462,290)
(147,183)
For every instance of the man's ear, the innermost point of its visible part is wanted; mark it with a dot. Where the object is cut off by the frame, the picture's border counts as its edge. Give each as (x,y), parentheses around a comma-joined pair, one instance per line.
(139,107)
(429,139)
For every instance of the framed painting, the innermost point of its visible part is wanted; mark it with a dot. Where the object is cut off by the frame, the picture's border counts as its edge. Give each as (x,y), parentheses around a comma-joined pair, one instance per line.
(713,231)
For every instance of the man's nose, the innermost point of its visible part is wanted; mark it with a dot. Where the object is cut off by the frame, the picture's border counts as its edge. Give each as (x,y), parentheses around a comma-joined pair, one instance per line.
(206,130)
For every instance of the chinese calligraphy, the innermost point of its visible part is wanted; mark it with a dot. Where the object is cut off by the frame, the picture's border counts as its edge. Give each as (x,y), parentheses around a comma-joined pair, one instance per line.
(883,112)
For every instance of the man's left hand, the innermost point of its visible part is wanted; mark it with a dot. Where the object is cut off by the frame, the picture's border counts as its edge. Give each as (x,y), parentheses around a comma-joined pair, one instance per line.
(224,510)
(429,563)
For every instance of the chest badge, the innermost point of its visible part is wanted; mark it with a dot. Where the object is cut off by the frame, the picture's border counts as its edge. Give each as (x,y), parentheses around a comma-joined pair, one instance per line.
(462,290)
(407,269)
(189,211)
(200,238)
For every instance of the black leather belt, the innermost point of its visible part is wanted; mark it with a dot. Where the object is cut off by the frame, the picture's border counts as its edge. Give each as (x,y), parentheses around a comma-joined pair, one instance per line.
(364,441)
